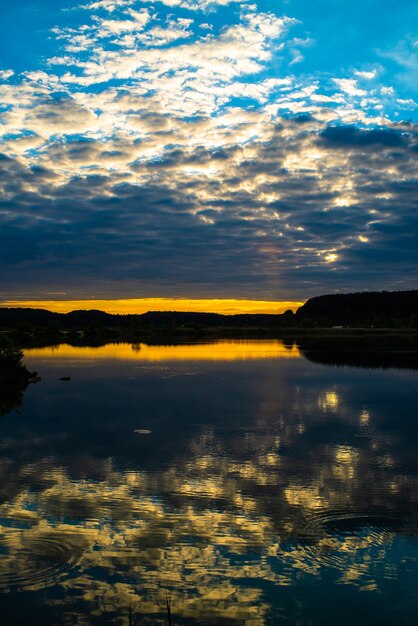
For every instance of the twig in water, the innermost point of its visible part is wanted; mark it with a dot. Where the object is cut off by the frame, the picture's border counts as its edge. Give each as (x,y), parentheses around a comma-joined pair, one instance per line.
(168,609)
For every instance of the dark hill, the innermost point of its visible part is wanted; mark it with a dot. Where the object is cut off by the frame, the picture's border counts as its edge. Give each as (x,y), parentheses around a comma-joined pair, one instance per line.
(25,319)
(371,308)
(11,317)
(86,318)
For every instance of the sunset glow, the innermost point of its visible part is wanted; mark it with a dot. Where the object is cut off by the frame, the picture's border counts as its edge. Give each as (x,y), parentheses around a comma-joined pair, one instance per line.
(142,305)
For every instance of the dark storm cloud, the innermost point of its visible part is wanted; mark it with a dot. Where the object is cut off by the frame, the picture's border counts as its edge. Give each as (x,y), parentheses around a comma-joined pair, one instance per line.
(352,137)
(261,224)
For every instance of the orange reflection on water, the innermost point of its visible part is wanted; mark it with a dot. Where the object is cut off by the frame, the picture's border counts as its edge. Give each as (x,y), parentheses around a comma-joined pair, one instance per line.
(230,350)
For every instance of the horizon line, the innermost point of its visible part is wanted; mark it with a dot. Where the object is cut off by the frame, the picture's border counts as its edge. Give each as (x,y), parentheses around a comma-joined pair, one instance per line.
(138,306)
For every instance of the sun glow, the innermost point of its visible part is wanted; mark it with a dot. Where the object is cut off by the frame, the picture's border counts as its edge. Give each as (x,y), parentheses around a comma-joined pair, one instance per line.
(142,305)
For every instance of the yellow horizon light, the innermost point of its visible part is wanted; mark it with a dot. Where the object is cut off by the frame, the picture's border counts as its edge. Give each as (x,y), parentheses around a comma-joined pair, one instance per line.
(225,306)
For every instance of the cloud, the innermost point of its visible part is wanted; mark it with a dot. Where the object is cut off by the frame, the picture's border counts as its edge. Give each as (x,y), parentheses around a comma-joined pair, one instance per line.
(195,5)
(239,50)
(366,75)
(151,154)
(349,86)
(217,219)
(6,74)
(350,136)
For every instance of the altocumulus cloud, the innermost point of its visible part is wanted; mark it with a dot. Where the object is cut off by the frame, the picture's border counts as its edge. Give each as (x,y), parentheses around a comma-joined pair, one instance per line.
(161,152)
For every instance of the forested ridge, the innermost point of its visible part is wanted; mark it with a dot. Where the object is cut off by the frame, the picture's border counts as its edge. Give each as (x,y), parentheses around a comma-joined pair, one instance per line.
(368,309)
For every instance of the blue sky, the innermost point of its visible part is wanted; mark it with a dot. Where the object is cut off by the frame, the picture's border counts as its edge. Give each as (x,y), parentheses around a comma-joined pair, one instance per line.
(201,148)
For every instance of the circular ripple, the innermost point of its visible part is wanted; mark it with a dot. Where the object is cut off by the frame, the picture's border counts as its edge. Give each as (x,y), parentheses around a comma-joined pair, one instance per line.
(355,544)
(349,522)
(33,563)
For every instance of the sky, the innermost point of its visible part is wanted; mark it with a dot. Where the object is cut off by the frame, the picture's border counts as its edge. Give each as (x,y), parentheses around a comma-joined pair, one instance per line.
(199,150)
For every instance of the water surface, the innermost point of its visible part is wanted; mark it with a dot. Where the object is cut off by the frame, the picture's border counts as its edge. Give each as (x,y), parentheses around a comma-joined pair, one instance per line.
(251,485)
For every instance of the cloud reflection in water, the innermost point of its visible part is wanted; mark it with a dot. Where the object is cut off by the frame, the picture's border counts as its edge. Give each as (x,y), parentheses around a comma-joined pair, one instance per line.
(299,487)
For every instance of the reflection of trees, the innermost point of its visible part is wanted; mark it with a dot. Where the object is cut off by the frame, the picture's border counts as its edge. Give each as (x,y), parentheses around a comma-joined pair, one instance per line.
(360,358)
(379,351)
(14,376)
(11,396)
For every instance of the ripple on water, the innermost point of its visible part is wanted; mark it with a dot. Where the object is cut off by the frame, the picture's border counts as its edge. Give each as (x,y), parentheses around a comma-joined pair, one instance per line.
(37,562)
(357,545)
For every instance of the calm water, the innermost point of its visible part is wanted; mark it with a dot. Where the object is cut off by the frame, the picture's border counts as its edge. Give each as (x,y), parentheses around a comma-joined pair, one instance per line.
(250,484)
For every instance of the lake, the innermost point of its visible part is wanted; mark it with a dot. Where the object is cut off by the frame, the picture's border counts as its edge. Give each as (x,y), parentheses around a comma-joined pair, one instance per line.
(248,484)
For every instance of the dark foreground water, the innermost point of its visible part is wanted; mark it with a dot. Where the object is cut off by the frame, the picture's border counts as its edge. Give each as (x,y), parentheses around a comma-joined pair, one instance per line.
(248,483)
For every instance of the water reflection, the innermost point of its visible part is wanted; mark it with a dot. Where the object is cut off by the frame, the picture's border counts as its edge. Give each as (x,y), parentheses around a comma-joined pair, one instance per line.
(370,351)
(225,350)
(261,484)
(11,396)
